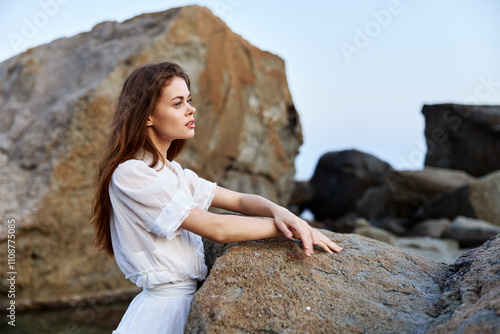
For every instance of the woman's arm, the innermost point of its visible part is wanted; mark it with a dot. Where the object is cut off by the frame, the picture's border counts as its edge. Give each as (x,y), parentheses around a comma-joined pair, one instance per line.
(231,228)
(225,228)
(288,224)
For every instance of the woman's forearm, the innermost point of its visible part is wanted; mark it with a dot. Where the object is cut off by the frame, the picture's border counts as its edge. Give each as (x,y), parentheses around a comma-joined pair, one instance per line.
(224,228)
(254,205)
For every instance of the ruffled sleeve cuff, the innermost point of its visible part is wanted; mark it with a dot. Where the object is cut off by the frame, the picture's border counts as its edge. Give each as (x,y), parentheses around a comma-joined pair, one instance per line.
(168,223)
(204,194)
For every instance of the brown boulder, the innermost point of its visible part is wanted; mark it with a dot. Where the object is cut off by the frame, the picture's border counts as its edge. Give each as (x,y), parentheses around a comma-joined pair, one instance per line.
(57,101)
(269,286)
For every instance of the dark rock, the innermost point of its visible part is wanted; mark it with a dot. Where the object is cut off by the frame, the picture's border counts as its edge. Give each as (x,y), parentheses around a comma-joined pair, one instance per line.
(394,225)
(470,232)
(471,296)
(269,286)
(345,224)
(430,228)
(464,137)
(301,197)
(376,203)
(479,199)
(403,192)
(341,178)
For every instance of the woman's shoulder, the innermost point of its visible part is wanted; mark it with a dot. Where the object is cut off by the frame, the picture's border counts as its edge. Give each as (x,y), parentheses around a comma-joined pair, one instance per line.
(133,167)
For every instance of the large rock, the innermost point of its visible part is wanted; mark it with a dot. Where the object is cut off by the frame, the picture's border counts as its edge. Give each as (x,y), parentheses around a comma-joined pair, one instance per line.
(479,199)
(442,250)
(465,137)
(471,296)
(269,286)
(470,232)
(340,179)
(370,287)
(57,101)
(403,192)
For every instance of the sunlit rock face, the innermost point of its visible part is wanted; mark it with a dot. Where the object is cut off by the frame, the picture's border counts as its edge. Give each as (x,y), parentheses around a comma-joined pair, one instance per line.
(57,102)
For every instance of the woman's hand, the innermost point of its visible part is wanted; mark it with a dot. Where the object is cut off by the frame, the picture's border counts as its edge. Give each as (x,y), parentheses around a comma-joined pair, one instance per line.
(294,227)
(321,240)
(286,222)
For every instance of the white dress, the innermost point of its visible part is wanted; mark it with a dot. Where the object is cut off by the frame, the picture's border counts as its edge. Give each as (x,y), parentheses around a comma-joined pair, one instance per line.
(150,247)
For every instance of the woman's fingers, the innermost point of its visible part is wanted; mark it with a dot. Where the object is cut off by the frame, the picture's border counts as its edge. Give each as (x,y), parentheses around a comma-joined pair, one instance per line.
(283,228)
(305,235)
(325,243)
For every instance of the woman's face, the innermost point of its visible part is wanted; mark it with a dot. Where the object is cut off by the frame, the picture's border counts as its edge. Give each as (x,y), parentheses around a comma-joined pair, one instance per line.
(173,116)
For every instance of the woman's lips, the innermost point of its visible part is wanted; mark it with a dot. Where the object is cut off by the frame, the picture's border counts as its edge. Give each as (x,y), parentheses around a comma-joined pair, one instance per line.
(191,125)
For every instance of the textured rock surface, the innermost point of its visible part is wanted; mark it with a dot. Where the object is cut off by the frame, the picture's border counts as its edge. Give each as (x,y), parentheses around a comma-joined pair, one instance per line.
(471,296)
(463,137)
(269,286)
(479,199)
(370,287)
(57,100)
(340,179)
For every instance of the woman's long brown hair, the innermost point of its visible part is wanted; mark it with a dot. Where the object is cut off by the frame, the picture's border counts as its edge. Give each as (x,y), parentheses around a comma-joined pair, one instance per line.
(138,98)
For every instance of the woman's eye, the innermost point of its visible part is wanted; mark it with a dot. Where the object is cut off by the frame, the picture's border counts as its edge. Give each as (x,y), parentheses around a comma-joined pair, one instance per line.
(178,104)
(189,101)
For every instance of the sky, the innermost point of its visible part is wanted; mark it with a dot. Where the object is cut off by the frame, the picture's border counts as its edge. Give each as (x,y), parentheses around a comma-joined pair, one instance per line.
(359,71)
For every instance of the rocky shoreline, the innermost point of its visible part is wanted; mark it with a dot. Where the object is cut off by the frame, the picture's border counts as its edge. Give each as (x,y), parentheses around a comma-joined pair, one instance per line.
(57,101)
(370,287)
(440,211)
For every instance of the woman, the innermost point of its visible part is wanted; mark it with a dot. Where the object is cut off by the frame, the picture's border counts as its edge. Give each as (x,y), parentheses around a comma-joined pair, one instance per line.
(151,214)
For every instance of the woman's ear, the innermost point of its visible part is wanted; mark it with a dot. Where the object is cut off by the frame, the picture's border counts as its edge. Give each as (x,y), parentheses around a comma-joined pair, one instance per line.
(149,122)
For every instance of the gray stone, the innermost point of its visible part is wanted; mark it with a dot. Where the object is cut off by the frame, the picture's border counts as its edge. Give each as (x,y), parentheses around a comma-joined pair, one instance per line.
(479,199)
(442,250)
(470,232)
(471,295)
(431,228)
(376,233)
(403,192)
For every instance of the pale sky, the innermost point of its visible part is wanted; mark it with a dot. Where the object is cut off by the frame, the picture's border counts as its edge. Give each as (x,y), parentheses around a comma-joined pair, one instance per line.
(359,71)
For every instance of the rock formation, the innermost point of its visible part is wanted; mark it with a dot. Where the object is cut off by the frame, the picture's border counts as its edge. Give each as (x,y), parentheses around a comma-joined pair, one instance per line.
(370,287)
(464,137)
(340,179)
(478,199)
(470,302)
(57,101)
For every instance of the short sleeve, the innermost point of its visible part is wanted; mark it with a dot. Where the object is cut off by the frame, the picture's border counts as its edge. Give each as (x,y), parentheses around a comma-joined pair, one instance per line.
(202,190)
(155,202)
